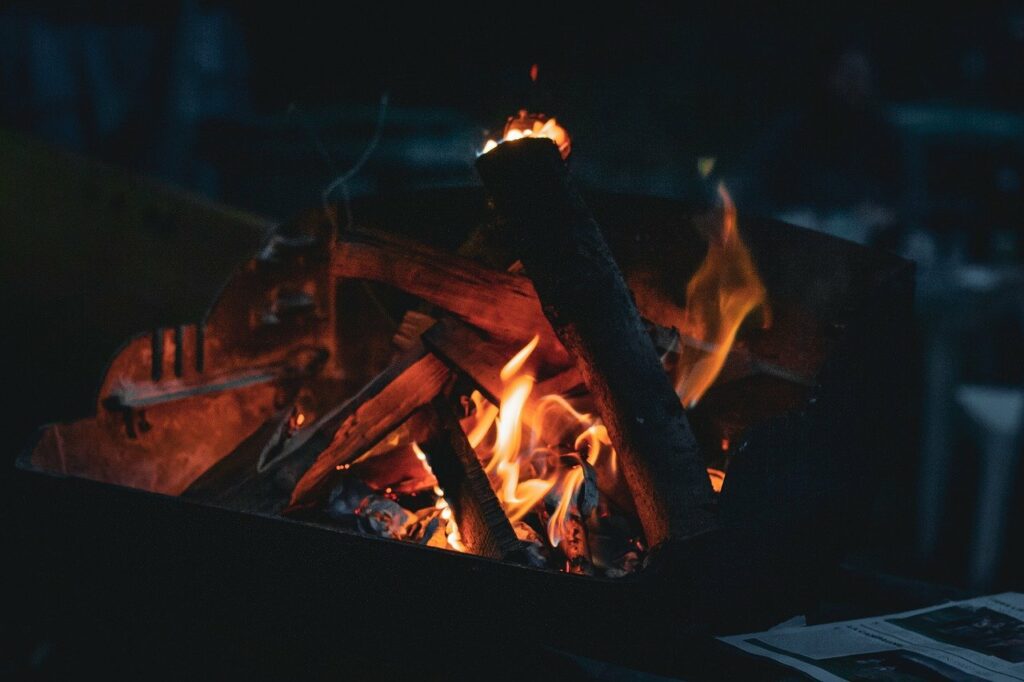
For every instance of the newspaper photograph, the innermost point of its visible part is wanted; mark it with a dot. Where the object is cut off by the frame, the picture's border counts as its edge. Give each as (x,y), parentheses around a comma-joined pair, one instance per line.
(976,639)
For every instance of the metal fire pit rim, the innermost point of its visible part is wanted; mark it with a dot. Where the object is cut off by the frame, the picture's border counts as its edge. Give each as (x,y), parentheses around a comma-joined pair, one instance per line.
(23,465)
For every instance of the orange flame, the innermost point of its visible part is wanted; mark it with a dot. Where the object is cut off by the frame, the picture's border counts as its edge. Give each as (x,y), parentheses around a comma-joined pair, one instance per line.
(527,124)
(296,420)
(518,442)
(717,477)
(570,488)
(596,436)
(518,497)
(720,295)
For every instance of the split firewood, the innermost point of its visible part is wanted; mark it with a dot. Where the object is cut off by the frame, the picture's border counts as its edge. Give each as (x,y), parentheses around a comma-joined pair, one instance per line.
(592,311)
(380,407)
(392,462)
(467,350)
(500,303)
(411,328)
(481,359)
(483,526)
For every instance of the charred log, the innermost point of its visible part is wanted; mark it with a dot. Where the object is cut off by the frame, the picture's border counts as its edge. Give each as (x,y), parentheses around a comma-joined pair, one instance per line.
(592,311)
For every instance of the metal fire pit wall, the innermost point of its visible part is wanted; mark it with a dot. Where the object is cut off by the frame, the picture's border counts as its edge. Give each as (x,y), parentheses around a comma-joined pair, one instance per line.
(255,589)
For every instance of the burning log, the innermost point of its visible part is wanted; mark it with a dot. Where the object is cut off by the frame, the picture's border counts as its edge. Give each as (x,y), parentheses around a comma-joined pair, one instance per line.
(592,311)
(380,407)
(500,303)
(465,349)
(480,359)
(483,526)
(395,393)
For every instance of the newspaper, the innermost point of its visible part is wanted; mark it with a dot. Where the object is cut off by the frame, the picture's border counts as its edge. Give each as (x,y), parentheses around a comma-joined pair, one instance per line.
(976,639)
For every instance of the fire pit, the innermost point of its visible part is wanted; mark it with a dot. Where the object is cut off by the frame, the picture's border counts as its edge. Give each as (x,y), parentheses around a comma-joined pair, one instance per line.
(456,402)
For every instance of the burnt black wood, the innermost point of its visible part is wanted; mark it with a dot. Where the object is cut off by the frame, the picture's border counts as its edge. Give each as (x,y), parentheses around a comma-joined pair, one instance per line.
(585,298)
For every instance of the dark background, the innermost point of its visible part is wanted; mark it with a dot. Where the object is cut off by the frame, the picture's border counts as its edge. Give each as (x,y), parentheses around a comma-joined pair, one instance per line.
(897,126)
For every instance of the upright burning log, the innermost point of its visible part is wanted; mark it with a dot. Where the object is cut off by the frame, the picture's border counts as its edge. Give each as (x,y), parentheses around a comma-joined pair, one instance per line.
(585,298)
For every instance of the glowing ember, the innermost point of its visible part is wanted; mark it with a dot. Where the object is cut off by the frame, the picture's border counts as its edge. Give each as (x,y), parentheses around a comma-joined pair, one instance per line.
(717,479)
(296,420)
(527,124)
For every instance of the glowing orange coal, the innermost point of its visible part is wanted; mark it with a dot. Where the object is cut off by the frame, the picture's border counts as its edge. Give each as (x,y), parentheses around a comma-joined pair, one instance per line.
(717,477)
(526,124)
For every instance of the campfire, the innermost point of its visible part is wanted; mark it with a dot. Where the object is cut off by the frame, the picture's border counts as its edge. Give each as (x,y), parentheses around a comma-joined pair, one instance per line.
(526,396)
(483,435)
(545,455)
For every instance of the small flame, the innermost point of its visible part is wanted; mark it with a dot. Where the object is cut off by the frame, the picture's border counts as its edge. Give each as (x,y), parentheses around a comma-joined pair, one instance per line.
(595,437)
(484,414)
(533,73)
(518,497)
(527,124)
(717,477)
(566,505)
(513,366)
(720,295)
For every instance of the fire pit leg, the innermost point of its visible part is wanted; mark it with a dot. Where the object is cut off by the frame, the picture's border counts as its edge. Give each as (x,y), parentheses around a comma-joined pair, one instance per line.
(585,298)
